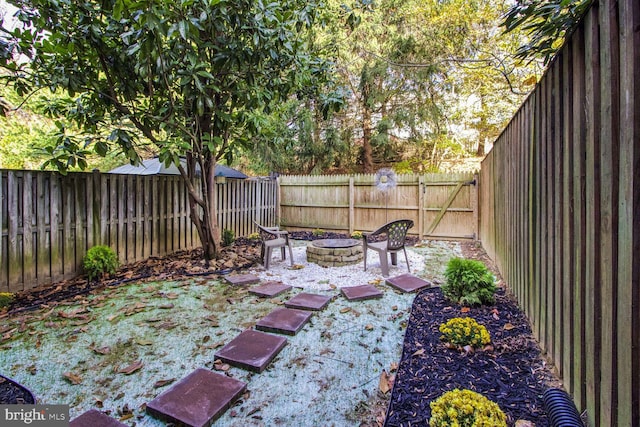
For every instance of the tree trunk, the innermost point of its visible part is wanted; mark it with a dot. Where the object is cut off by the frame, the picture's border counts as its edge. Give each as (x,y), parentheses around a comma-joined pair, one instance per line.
(202,205)
(367,154)
(481,144)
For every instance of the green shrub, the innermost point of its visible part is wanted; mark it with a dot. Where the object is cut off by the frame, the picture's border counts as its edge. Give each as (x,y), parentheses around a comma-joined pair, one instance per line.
(100,260)
(318,232)
(462,331)
(469,282)
(357,235)
(254,236)
(465,408)
(6,298)
(228,237)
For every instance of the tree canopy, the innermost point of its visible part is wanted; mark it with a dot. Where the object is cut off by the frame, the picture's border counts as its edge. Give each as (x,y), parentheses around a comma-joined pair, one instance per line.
(186,76)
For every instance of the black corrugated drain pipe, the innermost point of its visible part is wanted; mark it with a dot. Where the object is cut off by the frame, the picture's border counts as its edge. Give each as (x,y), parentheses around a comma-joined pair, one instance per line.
(560,408)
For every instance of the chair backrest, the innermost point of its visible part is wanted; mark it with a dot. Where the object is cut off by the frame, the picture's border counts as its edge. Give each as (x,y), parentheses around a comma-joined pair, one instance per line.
(265,232)
(396,233)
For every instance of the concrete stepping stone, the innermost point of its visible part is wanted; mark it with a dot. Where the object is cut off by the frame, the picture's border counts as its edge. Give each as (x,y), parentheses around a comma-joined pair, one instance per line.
(251,350)
(242,279)
(362,292)
(284,321)
(269,289)
(95,418)
(197,400)
(408,283)
(305,301)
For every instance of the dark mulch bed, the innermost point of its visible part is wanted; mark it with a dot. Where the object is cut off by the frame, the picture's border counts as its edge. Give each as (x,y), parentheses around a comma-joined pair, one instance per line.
(513,375)
(12,393)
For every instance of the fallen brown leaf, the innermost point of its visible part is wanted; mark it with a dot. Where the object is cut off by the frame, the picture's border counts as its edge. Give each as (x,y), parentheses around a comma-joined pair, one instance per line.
(383,383)
(72,378)
(101,350)
(162,383)
(135,366)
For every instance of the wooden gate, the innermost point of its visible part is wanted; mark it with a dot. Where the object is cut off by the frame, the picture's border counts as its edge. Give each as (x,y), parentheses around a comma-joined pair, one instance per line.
(450,206)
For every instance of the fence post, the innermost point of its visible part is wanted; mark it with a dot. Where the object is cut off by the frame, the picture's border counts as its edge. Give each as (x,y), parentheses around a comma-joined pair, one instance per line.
(421,202)
(96,212)
(475,204)
(352,198)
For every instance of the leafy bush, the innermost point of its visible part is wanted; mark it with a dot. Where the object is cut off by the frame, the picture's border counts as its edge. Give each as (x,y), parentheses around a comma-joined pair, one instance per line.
(469,282)
(318,232)
(462,331)
(465,408)
(357,235)
(6,298)
(254,236)
(100,260)
(228,237)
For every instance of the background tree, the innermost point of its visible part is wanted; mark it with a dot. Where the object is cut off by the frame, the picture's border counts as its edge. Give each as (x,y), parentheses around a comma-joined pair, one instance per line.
(424,77)
(185,76)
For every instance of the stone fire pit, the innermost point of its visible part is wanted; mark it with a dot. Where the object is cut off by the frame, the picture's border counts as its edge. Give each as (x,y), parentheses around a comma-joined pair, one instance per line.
(335,252)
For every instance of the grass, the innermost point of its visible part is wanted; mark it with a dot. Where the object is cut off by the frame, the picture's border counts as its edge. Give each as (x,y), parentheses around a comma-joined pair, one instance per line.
(118,348)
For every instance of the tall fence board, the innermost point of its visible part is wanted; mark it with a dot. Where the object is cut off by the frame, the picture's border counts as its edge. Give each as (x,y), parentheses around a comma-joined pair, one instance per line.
(560,212)
(49,221)
(441,205)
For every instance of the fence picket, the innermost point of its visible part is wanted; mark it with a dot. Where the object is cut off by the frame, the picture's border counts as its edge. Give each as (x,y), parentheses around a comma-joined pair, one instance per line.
(572,258)
(49,221)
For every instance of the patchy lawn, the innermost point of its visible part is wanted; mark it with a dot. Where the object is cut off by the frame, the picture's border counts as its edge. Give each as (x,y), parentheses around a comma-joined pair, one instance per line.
(117,348)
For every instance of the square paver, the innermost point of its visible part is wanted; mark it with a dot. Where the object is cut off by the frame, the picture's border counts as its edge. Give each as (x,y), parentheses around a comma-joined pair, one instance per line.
(251,350)
(362,292)
(408,283)
(269,289)
(197,400)
(284,321)
(95,418)
(242,279)
(305,301)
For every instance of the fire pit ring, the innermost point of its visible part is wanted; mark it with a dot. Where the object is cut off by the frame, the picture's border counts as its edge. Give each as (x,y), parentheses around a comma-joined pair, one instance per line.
(335,252)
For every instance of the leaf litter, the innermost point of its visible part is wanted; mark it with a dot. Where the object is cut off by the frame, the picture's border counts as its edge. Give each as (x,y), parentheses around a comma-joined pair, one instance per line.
(129,343)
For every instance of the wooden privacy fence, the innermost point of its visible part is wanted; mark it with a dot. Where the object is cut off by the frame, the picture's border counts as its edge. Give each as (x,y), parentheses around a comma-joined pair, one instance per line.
(49,221)
(560,212)
(441,205)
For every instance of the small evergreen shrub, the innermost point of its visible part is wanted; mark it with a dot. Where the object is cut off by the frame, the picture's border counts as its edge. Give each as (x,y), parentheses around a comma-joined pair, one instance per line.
(6,298)
(463,331)
(318,232)
(357,235)
(469,282)
(465,408)
(100,260)
(228,237)
(254,236)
